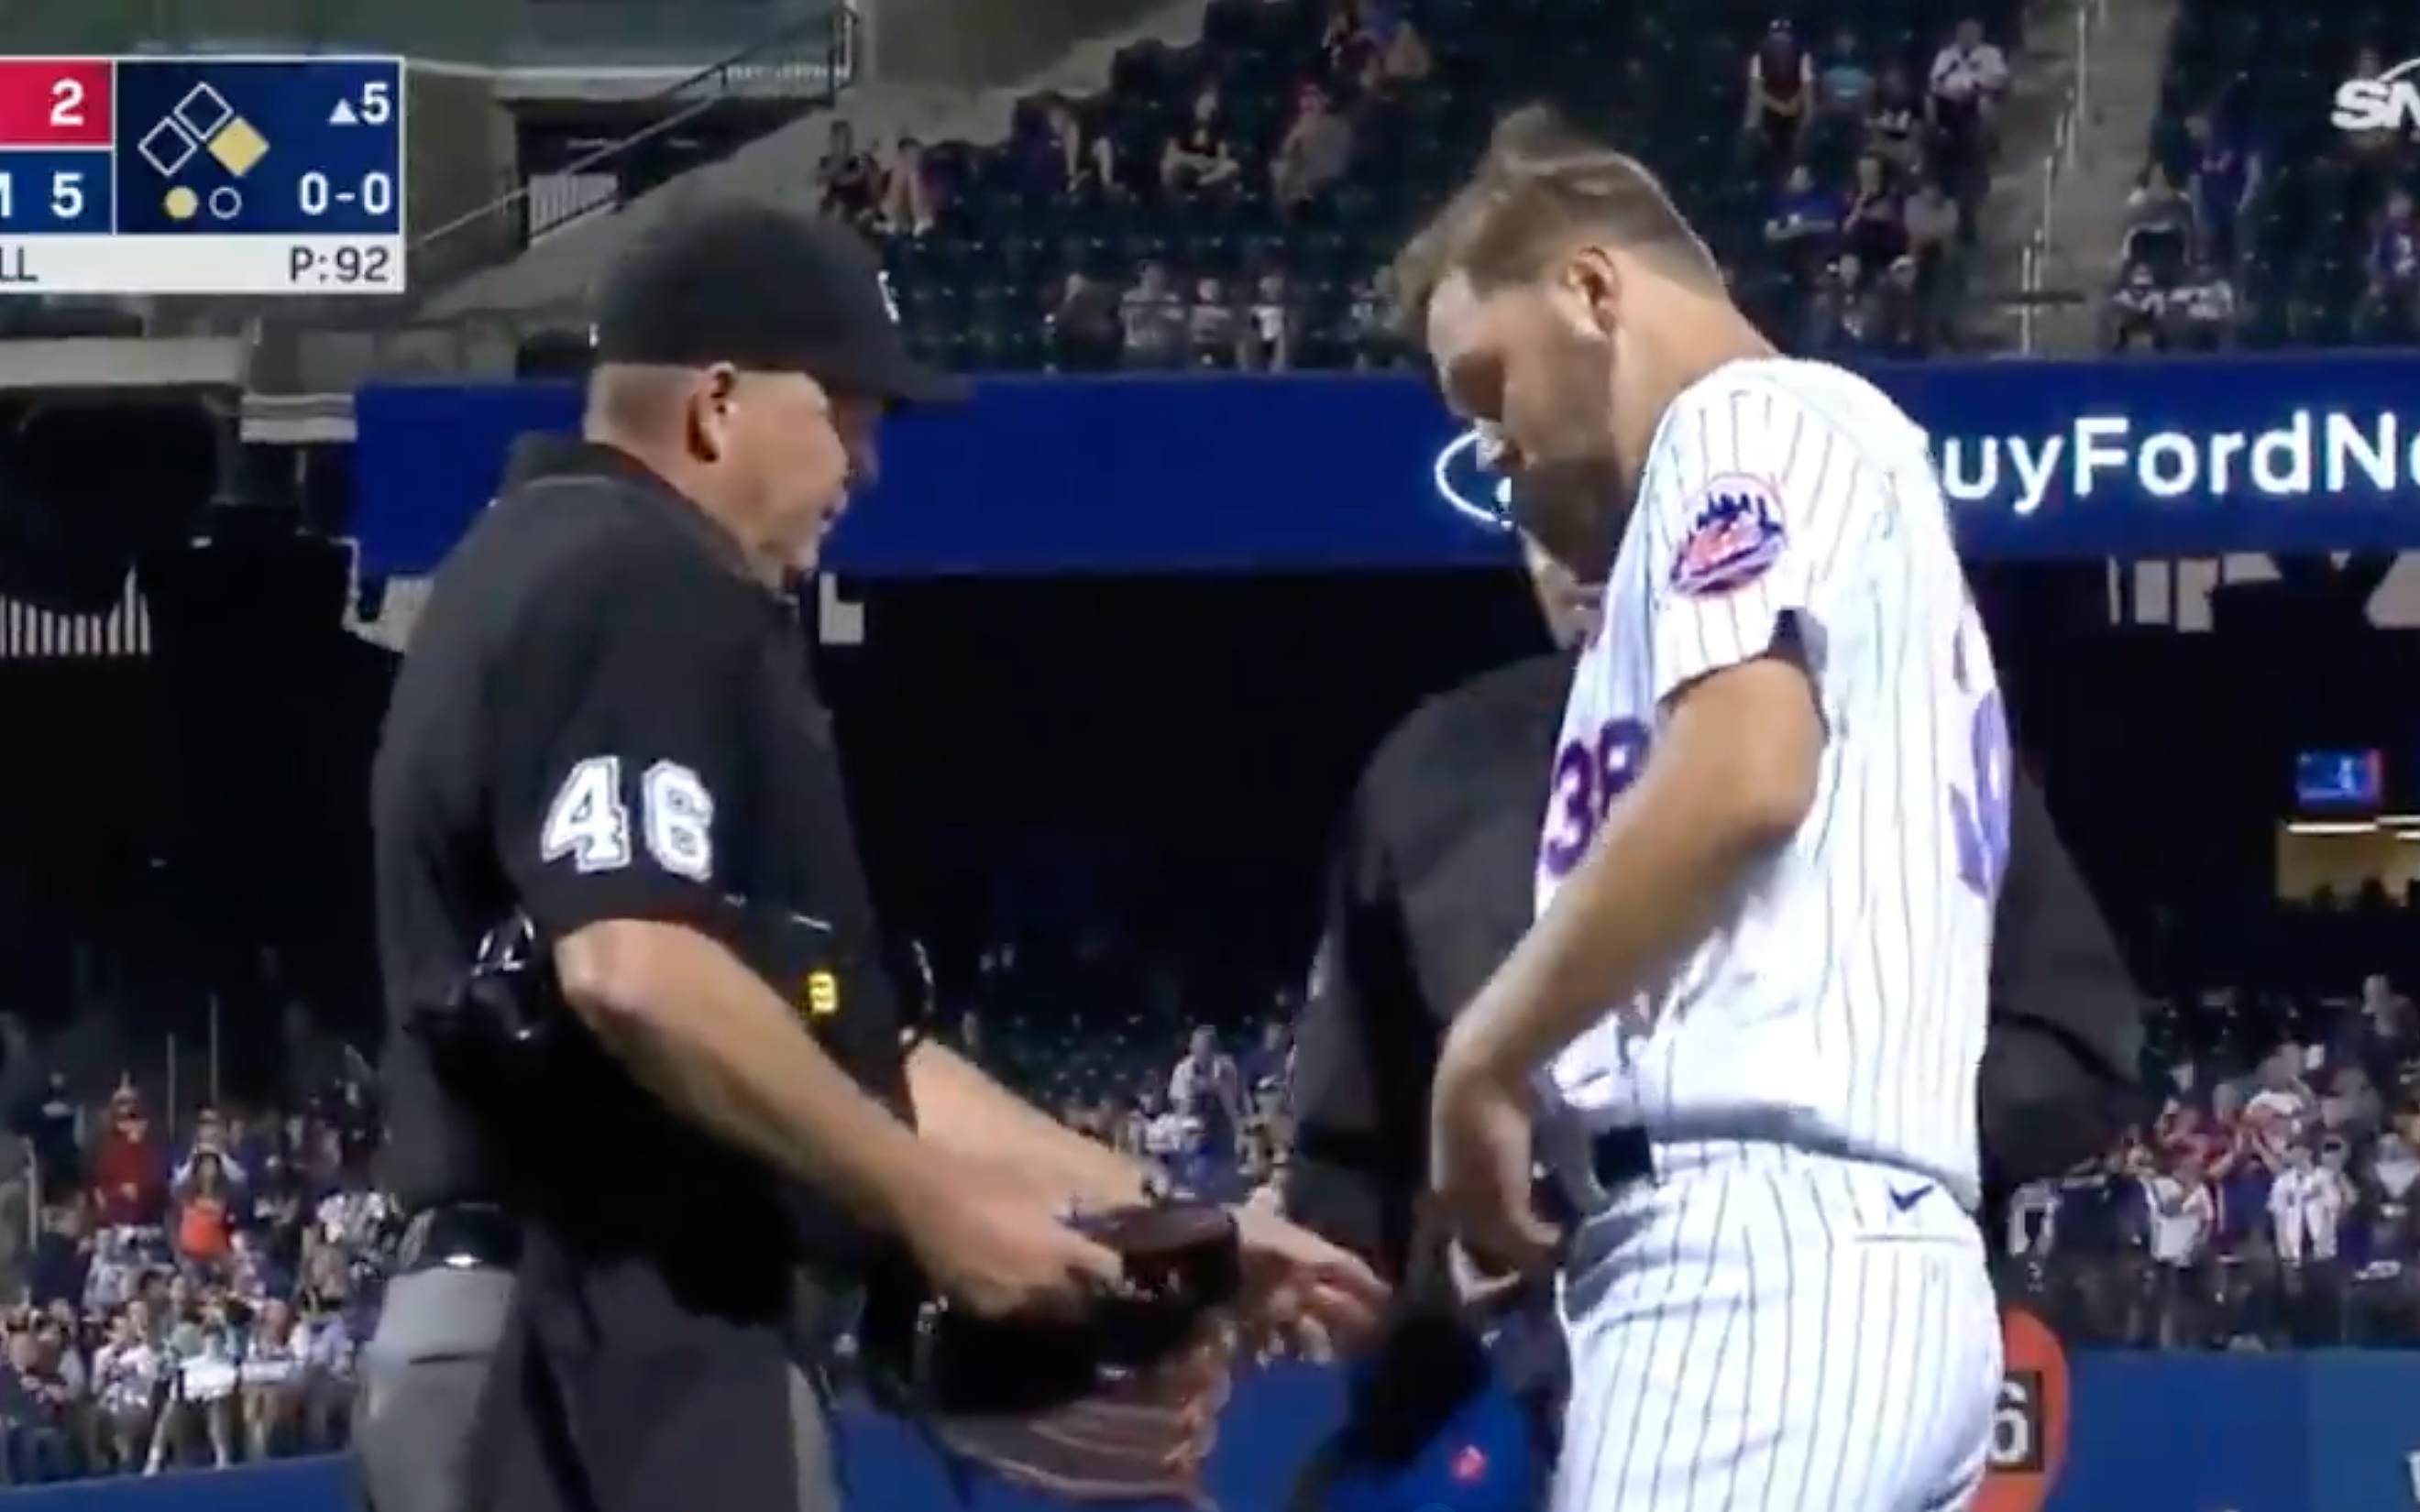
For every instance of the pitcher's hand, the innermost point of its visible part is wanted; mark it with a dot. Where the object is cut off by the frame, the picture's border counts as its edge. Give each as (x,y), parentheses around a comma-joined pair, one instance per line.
(1483,1142)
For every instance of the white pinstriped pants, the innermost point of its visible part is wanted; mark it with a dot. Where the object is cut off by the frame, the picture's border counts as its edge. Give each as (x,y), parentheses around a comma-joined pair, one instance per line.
(1768,1330)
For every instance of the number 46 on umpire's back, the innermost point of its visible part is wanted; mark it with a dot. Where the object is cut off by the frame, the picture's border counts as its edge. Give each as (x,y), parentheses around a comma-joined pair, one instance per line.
(590,822)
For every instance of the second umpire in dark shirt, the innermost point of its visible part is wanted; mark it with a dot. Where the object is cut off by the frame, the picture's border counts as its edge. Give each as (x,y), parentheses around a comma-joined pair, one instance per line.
(606,724)
(1431,887)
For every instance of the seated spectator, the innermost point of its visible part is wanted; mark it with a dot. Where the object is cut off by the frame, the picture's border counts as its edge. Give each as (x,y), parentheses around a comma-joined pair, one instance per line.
(1932,225)
(129,1166)
(1369,325)
(1207,1087)
(1403,54)
(1152,321)
(127,1376)
(1082,326)
(1893,320)
(2389,308)
(850,182)
(202,1358)
(1895,122)
(2219,179)
(1267,337)
(2134,319)
(273,1376)
(1211,330)
(1823,318)
(49,1124)
(1780,92)
(205,1212)
(335,1325)
(1845,80)
(212,1136)
(1349,50)
(1805,224)
(1162,1130)
(909,195)
(1314,151)
(1082,163)
(60,1263)
(1962,98)
(1200,157)
(1872,226)
(2160,227)
(33,1408)
(2200,310)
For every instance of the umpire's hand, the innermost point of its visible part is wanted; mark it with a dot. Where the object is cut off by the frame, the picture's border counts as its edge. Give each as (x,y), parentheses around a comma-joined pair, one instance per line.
(998,1251)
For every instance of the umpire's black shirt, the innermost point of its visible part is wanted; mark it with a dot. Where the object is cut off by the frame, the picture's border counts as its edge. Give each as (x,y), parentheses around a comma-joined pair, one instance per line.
(603,716)
(1431,888)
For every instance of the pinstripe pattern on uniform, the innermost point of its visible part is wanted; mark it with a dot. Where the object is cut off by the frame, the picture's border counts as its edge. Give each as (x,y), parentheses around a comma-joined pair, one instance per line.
(1773,1334)
(1793,1312)
(1844,995)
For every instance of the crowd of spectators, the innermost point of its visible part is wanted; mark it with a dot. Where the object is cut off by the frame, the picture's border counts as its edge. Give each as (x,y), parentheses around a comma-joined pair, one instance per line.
(2255,220)
(1203,214)
(192,1291)
(1876,174)
(2268,1204)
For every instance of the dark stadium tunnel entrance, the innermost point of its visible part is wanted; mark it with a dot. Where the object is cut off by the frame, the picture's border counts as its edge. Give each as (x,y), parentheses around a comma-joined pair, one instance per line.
(1154,766)
(1186,744)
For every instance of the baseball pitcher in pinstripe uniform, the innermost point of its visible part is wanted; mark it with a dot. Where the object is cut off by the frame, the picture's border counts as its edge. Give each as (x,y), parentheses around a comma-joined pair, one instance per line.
(1746,1028)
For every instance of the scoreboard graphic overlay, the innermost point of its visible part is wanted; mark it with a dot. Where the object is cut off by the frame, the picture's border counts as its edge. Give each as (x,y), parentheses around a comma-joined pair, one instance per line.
(202,175)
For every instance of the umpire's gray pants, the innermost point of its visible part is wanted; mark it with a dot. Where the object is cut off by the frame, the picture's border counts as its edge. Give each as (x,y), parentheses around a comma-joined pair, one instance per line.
(421,1377)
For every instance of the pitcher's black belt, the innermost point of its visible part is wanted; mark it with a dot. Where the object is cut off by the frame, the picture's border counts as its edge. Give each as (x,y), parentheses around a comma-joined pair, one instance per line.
(1618,1157)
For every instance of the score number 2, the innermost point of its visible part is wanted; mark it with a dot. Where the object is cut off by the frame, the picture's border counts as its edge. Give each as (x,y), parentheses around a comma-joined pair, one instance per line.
(67,105)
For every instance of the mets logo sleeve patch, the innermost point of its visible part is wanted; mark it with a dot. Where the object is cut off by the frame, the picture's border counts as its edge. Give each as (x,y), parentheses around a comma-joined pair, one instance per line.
(1734,537)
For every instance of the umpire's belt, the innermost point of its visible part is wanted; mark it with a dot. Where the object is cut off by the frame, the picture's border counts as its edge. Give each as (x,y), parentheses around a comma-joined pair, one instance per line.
(462,1236)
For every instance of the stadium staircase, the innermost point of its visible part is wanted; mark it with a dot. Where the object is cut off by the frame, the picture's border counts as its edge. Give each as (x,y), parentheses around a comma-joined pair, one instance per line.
(2082,219)
(2044,96)
(558,271)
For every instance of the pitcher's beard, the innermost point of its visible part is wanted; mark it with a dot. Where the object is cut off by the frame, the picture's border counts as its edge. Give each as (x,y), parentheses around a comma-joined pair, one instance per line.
(1575,510)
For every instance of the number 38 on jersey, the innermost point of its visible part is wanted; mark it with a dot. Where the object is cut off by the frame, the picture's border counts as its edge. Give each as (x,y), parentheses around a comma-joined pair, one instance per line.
(602,819)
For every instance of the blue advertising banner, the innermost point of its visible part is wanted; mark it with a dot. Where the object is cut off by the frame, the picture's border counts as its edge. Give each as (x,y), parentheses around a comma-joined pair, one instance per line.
(1203,473)
(2328,1432)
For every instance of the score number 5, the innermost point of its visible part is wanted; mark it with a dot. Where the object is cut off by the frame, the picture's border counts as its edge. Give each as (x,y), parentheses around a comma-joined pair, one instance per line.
(67,195)
(375,105)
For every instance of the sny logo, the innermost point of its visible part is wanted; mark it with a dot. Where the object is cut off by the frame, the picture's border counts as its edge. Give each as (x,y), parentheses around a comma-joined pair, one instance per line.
(2388,102)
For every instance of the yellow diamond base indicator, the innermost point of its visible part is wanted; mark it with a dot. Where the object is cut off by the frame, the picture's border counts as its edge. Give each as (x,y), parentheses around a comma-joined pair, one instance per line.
(182,202)
(238,148)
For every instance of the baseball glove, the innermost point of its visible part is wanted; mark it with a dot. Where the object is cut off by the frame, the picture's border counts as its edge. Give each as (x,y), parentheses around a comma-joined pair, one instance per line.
(1119,1405)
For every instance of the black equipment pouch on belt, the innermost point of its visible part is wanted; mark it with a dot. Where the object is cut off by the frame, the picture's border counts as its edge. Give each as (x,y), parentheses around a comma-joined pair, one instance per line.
(647,1359)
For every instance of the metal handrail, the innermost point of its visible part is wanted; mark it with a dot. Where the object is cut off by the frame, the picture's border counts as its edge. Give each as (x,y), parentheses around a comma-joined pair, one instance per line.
(276,321)
(2066,132)
(837,27)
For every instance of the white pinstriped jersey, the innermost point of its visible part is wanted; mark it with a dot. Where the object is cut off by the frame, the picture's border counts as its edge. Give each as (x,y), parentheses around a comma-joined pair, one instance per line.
(1839,1004)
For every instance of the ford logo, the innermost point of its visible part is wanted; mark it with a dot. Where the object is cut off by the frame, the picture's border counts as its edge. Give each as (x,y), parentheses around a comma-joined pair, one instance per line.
(1468,489)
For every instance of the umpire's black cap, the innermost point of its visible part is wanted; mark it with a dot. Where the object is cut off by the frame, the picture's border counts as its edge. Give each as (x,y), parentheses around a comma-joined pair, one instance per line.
(767,290)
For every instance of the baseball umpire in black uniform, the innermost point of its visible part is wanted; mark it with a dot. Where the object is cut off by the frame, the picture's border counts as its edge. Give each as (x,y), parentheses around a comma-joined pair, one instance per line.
(605,732)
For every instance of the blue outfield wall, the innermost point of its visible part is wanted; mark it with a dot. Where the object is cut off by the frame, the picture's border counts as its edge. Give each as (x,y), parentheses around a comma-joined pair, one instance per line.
(2328,1432)
(1205,472)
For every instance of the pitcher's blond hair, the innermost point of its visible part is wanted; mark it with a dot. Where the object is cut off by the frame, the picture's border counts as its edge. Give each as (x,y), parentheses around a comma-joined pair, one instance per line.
(1543,187)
